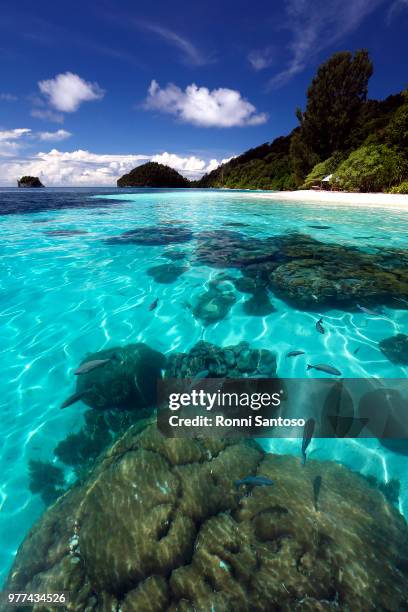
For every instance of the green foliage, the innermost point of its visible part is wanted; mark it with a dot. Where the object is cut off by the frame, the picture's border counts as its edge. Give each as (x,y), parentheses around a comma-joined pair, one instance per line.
(46,479)
(153,174)
(401,188)
(397,130)
(322,169)
(372,168)
(334,101)
(265,167)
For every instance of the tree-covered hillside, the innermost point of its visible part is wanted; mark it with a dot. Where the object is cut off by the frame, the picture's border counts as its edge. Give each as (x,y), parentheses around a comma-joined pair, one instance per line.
(362,143)
(153,174)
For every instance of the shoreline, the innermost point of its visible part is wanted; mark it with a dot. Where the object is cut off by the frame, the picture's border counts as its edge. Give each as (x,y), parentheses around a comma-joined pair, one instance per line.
(378,200)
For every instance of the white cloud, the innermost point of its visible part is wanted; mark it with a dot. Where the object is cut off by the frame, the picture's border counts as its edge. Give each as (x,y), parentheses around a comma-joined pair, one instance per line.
(261,58)
(13,134)
(67,91)
(315,25)
(213,164)
(47,115)
(9,141)
(190,53)
(198,105)
(187,166)
(54,136)
(84,168)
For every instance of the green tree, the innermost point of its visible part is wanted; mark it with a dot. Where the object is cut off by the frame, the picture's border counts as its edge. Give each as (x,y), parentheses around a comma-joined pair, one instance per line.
(372,168)
(334,100)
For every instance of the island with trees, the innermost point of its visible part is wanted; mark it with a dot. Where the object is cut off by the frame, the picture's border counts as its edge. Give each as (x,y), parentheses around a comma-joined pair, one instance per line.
(29,182)
(153,174)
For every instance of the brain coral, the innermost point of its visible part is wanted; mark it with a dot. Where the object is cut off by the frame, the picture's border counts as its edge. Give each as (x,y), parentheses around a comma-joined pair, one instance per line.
(160,526)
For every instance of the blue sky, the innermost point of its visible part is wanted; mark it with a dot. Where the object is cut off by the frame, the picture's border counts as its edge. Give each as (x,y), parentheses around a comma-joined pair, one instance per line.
(90,89)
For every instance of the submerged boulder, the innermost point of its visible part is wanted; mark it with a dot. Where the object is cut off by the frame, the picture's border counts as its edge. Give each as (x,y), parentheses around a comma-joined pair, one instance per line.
(396,348)
(154,235)
(230,361)
(160,525)
(127,381)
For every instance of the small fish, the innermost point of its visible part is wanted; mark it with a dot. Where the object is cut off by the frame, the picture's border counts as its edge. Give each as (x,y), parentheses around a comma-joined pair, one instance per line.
(317,483)
(307,436)
(320,327)
(72,399)
(88,366)
(154,304)
(356,350)
(295,353)
(323,367)
(367,310)
(254,481)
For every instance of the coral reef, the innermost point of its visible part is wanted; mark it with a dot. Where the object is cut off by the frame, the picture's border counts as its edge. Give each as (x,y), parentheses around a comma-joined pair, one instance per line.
(174,255)
(159,525)
(128,381)
(228,362)
(396,348)
(306,272)
(166,273)
(154,235)
(213,305)
(46,479)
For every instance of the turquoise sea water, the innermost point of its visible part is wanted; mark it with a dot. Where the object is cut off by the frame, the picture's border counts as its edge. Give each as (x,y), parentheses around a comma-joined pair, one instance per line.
(65,291)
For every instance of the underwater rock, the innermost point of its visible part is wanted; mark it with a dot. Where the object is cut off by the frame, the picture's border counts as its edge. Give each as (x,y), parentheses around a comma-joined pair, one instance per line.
(166,273)
(396,348)
(213,305)
(154,235)
(46,479)
(259,305)
(174,255)
(159,525)
(228,362)
(65,232)
(308,273)
(128,381)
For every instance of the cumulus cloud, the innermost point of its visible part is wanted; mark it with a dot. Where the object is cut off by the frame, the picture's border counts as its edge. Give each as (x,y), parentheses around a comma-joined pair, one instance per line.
(213,164)
(67,91)
(84,168)
(199,106)
(13,134)
(54,136)
(316,25)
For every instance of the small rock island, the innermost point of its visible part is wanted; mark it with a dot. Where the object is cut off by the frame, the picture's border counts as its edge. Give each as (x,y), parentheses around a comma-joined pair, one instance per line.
(153,174)
(29,181)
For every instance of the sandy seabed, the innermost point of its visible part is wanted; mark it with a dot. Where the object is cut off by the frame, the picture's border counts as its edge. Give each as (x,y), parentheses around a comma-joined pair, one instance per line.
(387,200)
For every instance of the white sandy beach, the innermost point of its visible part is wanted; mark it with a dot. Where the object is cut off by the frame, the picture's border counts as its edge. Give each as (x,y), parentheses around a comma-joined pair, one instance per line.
(378,200)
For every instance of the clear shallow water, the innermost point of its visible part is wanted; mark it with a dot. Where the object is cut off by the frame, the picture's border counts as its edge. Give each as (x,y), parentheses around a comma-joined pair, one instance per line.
(62,296)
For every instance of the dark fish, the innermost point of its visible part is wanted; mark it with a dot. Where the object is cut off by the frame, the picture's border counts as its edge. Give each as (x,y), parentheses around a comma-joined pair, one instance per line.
(320,327)
(307,436)
(88,366)
(356,350)
(254,481)
(317,483)
(72,399)
(154,304)
(320,227)
(295,353)
(323,367)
